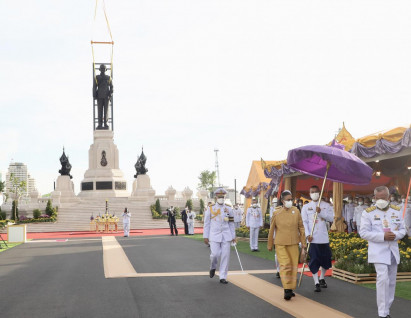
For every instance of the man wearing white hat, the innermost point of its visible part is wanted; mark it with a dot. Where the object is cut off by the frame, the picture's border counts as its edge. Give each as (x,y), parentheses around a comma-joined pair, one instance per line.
(254,221)
(382,226)
(219,232)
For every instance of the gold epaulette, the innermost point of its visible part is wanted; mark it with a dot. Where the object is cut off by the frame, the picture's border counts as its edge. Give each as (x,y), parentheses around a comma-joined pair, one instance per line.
(370,209)
(395,207)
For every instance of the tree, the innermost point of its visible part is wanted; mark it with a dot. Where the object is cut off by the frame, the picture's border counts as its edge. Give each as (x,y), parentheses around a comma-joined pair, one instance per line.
(17,187)
(189,204)
(49,208)
(202,206)
(207,180)
(15,209)
(2,186)
(158,206)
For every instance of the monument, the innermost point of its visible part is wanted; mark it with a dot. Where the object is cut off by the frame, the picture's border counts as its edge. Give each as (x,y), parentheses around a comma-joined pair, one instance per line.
(103,179)
(142,190)
(64,191)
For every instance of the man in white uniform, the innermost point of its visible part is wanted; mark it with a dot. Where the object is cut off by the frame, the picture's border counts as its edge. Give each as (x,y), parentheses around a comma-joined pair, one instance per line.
(254,221)
(348,213)
(357,214)
(238,216)
(219,232)
(320,252)
(382,226)
(126,222)
(190,221)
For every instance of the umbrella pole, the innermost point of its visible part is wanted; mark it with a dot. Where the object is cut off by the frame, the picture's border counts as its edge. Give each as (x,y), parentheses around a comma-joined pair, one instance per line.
(315,219)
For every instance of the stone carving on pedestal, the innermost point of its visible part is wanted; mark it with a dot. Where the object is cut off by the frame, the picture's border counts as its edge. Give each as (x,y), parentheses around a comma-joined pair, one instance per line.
(142,189)
(141,164)
(65,165)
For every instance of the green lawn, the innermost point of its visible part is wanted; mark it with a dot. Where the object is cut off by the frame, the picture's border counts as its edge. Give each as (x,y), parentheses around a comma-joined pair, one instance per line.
(402,290)
(10,245)
(244,247)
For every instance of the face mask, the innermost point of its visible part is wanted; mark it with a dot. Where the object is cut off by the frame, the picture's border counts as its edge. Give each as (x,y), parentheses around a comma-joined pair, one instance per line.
(288,204)
(381,204)
(392,199)
(403,200)
(360,203)
(315,196)
(373,200)
(220,200)
(254,205)
(300,204)
(349,201)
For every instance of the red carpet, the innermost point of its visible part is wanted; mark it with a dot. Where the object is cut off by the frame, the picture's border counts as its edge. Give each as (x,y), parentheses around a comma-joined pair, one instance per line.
(307,272)
(88,234)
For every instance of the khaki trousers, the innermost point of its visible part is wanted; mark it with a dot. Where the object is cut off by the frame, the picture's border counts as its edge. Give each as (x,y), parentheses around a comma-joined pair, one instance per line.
(288,258)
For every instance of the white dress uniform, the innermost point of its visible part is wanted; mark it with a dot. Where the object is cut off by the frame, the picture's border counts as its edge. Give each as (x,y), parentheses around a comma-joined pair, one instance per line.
(272,208)
(320,235)
(190,221)
(254,220)
(238,217)
(219,229)
(126,223)
(348,215)
(357,215)
(384,254)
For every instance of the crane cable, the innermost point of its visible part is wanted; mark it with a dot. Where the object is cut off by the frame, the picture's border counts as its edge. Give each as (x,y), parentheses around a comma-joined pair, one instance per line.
(95,42)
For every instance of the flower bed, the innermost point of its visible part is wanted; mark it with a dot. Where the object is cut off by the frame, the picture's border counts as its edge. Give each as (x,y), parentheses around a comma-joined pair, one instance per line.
(243,231)
(351,255)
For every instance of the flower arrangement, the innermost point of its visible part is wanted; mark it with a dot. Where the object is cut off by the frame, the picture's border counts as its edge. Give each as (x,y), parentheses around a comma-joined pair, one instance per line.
(350,252)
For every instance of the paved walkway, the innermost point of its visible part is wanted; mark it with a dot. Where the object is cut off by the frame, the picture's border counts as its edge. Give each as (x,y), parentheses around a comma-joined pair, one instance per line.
(159,276)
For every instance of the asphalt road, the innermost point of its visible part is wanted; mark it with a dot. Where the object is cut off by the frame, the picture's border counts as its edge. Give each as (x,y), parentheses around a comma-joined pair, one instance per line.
(66,279)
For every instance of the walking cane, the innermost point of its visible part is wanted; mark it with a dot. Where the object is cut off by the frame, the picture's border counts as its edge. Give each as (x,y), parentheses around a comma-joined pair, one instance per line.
(312,229)
(235,247)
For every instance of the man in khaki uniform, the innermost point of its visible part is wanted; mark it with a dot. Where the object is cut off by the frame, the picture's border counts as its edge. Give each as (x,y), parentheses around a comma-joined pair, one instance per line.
(289,232)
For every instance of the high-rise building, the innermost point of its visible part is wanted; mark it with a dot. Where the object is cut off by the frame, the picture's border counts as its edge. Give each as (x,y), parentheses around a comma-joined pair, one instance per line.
(19,171)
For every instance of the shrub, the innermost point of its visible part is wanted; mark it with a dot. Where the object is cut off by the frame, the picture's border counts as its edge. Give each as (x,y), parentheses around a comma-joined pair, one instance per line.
(36,213)
(189,204)
(2,215)
(49,208)
(202,206)
(158,206)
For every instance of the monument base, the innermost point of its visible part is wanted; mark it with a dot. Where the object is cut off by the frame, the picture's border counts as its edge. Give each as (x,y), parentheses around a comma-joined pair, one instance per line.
(103,179)
(142,190)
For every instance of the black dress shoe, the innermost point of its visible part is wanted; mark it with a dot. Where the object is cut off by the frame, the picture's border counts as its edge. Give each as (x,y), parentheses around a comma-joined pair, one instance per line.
(257,250)
(292,294)
(277,275)
(288,293)
(223,281)
(317,288)
(323,284)
(212,272)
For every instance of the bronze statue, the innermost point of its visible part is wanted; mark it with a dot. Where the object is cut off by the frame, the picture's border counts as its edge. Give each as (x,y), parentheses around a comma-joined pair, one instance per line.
(141,164)
(102,92)
(65,166)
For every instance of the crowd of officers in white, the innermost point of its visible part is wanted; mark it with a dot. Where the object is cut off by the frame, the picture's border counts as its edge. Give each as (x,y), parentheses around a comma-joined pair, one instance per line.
(378,219)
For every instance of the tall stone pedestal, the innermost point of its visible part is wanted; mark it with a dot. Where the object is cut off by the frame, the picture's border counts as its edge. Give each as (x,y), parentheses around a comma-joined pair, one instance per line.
(142,190)
(104,178)
(64,190)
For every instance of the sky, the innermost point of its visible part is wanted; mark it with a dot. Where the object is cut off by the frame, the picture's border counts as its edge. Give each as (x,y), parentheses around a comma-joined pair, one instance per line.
(253,78)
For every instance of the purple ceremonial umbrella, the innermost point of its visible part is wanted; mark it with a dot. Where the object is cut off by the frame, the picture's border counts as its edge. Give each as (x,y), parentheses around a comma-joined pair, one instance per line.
(344,166)
(328,162)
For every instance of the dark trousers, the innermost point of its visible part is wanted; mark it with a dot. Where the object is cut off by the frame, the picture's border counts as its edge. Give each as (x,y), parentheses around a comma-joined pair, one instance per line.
(102,107)
(185,228)
(173,227)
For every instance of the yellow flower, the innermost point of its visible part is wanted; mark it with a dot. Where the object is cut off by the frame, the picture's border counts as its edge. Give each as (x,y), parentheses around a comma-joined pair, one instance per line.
(407,256)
